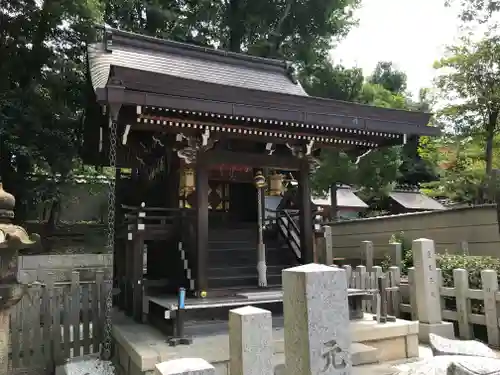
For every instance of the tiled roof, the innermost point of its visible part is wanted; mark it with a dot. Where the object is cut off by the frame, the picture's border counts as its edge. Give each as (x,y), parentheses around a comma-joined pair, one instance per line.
(415,201)
(345,198)
(187,61)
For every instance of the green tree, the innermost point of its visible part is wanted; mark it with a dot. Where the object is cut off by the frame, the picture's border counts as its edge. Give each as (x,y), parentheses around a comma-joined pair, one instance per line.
(333,81)
(475,10)
(41,103)
(299,30)
(470,82)
(389,78)
(41,88)
(460,165)
(377,171)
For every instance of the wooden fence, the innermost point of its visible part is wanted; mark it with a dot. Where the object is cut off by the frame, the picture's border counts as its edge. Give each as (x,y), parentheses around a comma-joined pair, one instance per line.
(56,321)
(467,308)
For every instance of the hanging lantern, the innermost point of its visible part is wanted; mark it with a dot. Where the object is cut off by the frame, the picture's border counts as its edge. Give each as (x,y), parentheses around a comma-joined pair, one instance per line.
(188,181)
(275,185)
(259,180)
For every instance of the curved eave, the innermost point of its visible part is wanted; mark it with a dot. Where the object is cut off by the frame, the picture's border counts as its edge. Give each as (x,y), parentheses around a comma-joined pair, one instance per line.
(197,95)
(277,113)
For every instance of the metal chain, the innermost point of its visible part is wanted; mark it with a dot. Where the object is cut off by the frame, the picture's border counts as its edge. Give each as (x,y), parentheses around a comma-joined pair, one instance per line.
(107,339)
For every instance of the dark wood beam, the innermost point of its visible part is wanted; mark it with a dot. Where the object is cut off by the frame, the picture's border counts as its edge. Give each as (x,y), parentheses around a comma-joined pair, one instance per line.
(252,159)
(305,216)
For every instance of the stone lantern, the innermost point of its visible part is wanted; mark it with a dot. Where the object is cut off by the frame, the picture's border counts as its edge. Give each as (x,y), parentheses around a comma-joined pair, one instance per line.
(12,239)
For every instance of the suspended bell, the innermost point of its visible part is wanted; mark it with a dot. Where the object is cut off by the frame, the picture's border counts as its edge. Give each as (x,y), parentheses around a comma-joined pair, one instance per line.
(259,180)
(188,181)
(276,184)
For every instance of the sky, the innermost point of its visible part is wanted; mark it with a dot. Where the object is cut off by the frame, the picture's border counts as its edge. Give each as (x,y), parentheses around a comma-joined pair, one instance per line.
(410,33)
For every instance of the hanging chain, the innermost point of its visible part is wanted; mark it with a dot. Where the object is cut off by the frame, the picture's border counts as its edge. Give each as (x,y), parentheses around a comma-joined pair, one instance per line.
(107,339)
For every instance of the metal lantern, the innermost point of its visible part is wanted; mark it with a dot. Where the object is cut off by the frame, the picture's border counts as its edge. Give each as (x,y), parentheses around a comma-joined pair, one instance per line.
(259,180)
(188,181)
(276,185)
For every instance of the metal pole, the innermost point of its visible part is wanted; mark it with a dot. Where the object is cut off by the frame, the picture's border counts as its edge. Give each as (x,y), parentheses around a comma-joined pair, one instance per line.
(179,338)
(261,248)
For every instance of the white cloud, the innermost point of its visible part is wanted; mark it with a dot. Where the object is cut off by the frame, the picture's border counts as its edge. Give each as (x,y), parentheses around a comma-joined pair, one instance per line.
(410,33)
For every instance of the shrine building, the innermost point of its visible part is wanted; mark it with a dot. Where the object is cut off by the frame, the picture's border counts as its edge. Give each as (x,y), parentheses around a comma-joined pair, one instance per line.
(205,143)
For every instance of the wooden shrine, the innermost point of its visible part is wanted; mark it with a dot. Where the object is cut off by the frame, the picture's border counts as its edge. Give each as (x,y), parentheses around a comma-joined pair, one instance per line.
(206,143)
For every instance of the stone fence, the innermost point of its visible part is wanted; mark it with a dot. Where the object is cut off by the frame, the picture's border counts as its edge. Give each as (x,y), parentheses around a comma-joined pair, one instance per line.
(36,267)
(465,307)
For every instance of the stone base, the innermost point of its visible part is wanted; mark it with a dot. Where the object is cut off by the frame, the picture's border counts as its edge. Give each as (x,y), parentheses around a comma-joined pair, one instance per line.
(443,329)
(139,347)
(89,364)
(394,340)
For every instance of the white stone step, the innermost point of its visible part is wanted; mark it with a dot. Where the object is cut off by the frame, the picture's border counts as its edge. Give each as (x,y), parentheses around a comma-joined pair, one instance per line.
(363,354)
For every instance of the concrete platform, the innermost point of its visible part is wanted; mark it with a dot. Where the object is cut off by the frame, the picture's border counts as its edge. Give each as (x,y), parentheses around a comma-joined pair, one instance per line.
(139,347)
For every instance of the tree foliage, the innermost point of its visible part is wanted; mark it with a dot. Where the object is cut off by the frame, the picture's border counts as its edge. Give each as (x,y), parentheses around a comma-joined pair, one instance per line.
(470,82)
(41,88)
(475,10)
(381,170)
(301,30)
(42,59)
(389,78)
(459,163)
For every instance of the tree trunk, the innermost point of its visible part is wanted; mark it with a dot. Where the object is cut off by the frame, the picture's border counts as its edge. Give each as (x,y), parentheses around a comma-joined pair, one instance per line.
(236,25)
(55,210)
(334,209)
(486,193)
(276,36)
(490,134)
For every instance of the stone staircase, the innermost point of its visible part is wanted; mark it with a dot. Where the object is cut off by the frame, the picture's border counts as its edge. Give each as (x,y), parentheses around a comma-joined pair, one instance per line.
(232,258)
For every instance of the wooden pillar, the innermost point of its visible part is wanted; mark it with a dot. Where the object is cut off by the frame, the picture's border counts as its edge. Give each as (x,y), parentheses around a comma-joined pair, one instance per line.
(129,275)
(201,182)
(137,278)
(138,269)
(305,217)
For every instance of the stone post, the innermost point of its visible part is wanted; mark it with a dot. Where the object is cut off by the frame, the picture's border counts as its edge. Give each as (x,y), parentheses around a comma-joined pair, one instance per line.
(427,290)
(250,341)
(367,253)
(185,366)
(328,245)
(396,254)
(317,336)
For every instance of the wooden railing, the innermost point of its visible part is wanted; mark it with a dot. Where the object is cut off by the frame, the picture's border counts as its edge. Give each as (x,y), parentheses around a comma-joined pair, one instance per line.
(156,222)
(284,222)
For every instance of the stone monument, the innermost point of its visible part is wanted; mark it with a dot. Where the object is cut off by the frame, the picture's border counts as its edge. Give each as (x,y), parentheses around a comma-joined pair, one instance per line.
(12,239)
(250,341)
(427,292)
(317,336)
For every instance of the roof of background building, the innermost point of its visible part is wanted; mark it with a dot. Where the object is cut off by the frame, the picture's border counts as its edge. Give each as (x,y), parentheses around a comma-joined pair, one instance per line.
(345,198)
(414,200)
